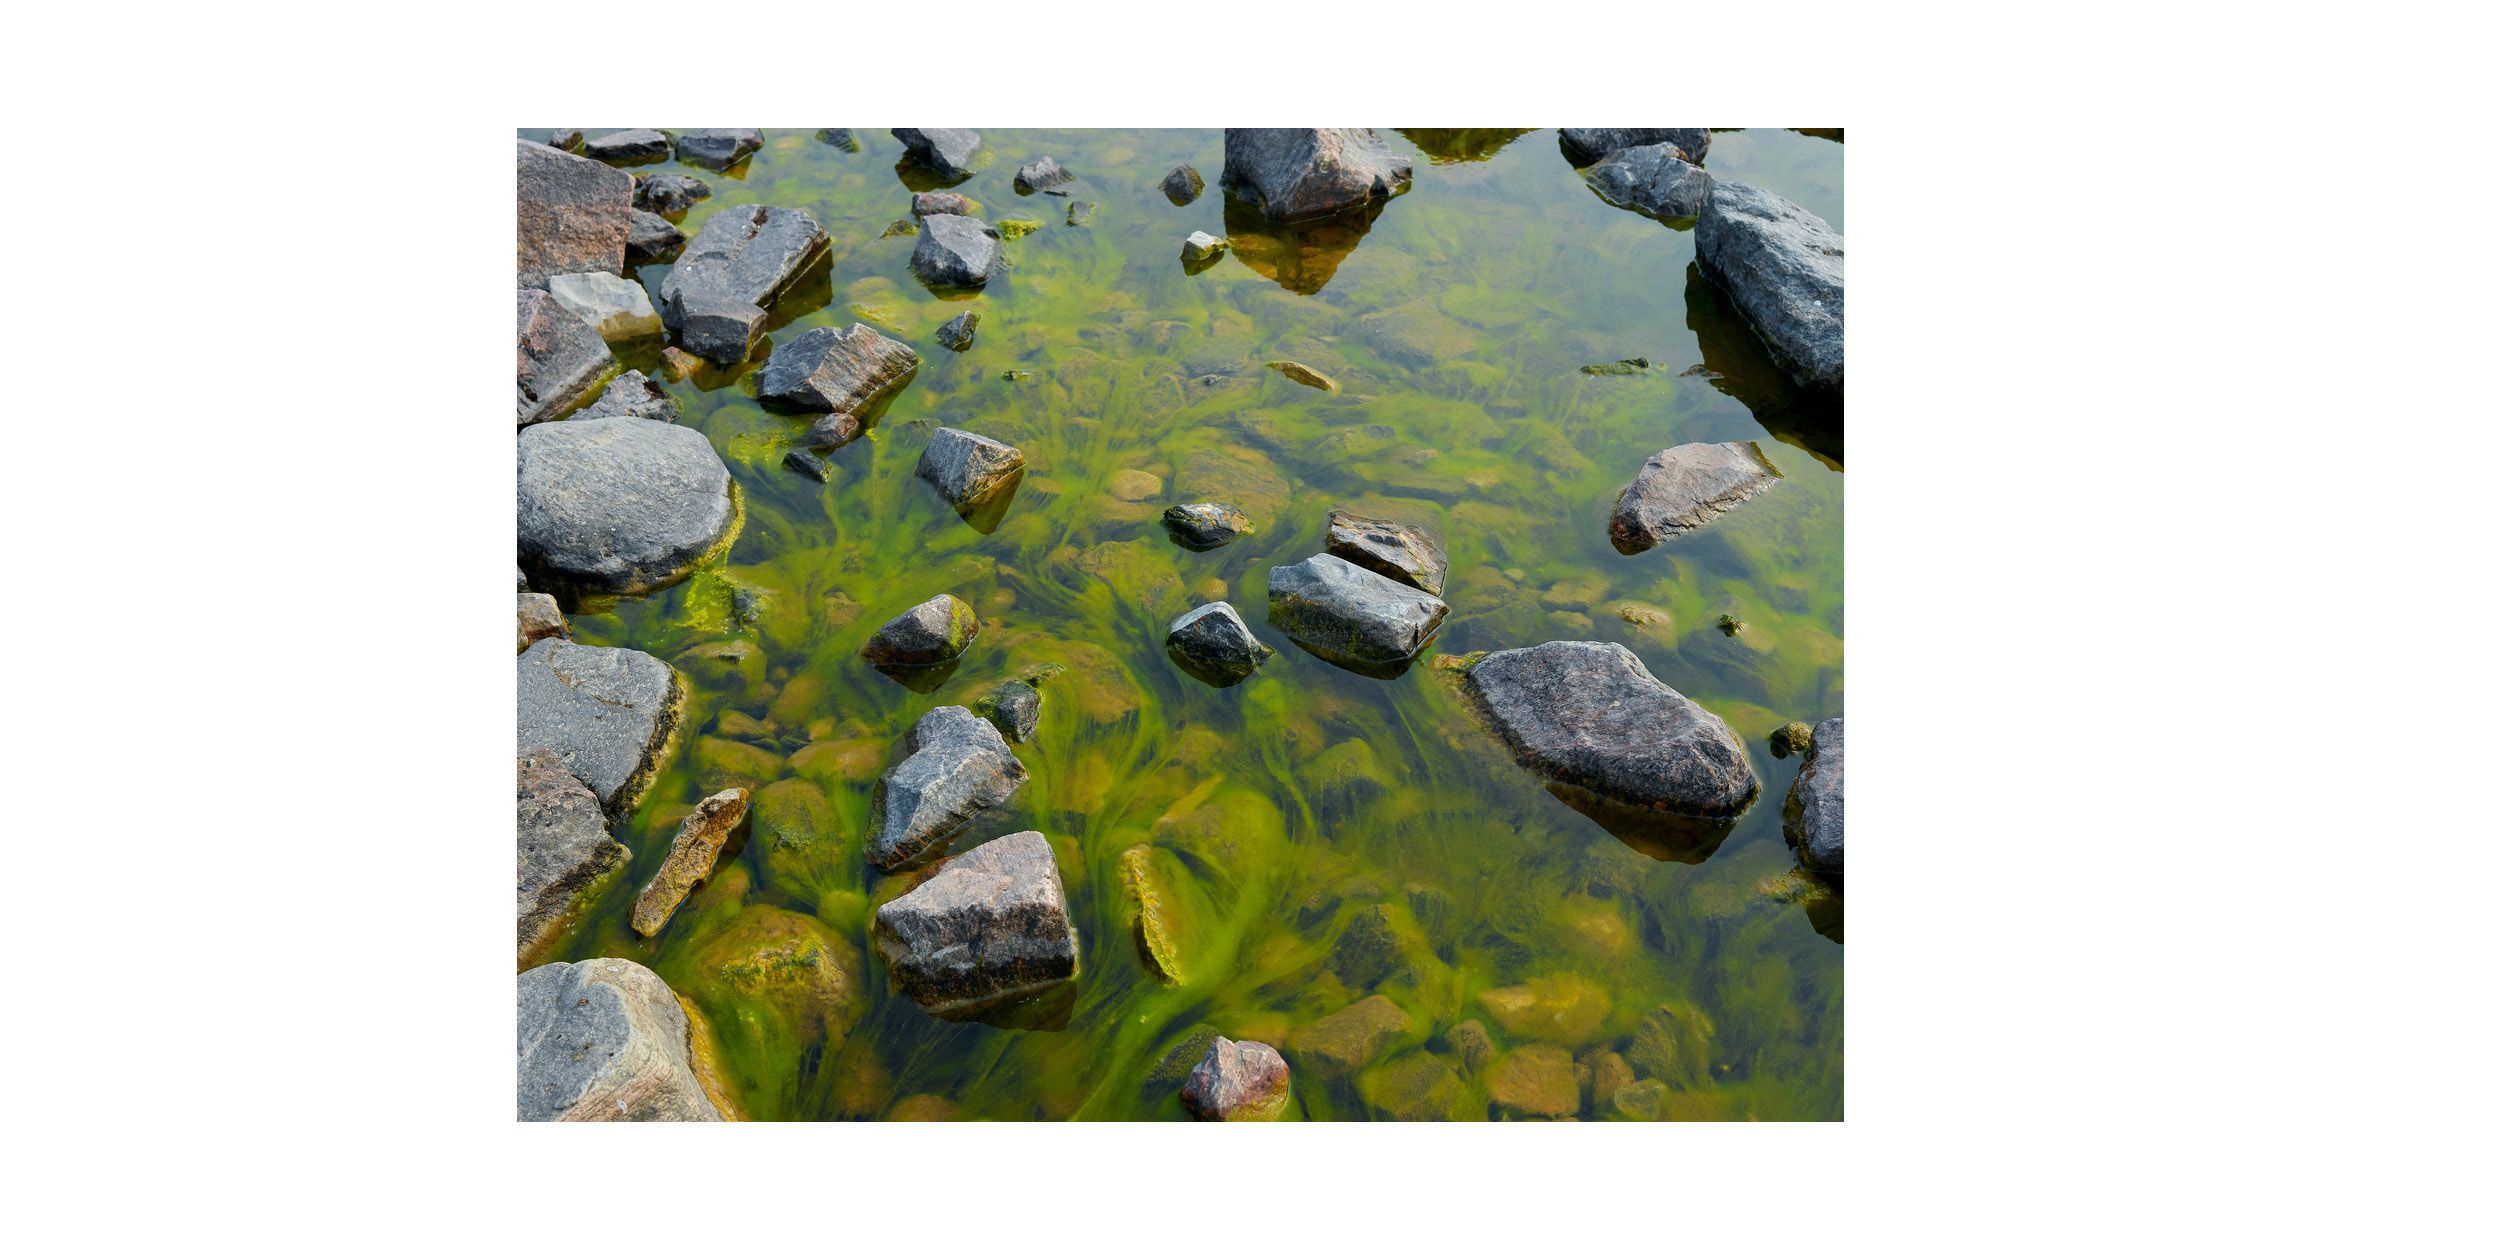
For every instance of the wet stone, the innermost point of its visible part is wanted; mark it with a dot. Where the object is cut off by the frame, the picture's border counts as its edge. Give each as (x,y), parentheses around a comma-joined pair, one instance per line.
(1183,185)
(540,618)
(1791,739)
(1214,642)
(1811,818)
(807,464)
(1237,1081)
(627,145)
(1783,269)
(572,214)
(563,847)
(1684,488)
(955,251)
(697,847)
(949,153)
(619,507)
(1015,707)
(747,253)
(669,194)
(605,713)
(1204,526)
(719,147)
(1590,715)
(612,307)
(957,767)
(1590,145)
(1340,609)
(966,468)
(990,926)
(649,236)
(1081,213)
(956,335)
(1296,174)
(1654,179)
(557,358)
(1042,175)
(632,395)
(939,203)
(832,431)
(829,370)
(1200,247)
(1404,553)
(719,328)
(604,1039)
(931,632)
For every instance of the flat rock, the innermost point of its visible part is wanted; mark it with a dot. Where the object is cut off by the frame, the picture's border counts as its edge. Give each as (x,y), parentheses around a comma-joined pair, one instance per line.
(719,328)
(1654,179)
(1299,173)
(1200,246)
(562,844)
(605,712)
(948,152)
(1588,145)
(1404,553)
(1205,526)
(649,236)
(556,358)
(1183,185)
(626,145)
(745,252)
(573,215)
(1215,643)
(1042,175)
(540,618)
(1345,610)
(941,204)
(669,193)
(620,507)
(955,251)
(932,632)
(956,335)
(700,837)
(1782,268)
(991,926)
(613,307)
(1811,819)
(829,370)
(631,394)
(719,147)
(1681,489)
(604,1039)
(1343,1041)
(966,468)
(1590,715)
(957,767)
(1245,1081)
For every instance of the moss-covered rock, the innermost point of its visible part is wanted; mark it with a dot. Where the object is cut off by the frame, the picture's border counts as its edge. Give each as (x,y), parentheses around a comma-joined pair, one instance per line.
(1536,1082)
(853,761)
(780,991)
(1156,922)
(722,764)
(1420,1086)
(1672,1044)
(732,671)
(1561,1008)
(1346,1041)
(799,843)
(1346,775)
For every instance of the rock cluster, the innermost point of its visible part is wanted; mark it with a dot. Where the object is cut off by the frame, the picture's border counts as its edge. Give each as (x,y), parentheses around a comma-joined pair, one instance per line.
(957,767)
(991,926)
(1684,488)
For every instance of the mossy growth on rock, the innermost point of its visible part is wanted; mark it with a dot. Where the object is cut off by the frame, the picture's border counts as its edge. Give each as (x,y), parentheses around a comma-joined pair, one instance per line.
(780,991)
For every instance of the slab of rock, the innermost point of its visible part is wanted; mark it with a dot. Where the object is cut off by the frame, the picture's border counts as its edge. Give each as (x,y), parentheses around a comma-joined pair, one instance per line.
(932,632)
(604,1039)
(700,836)
(1344,1041)
(948,152)
(540,618)
(1015,707)
(1588,145)
(563,847)
(829,370)
(1042,175)
(942,203)
(612,307)
(1200,247)
(606,712)
(1183,185)
(1206,526)
(1782,268)
(718,147)
(1238,1081)
(650,236)
(1811,819)
(991,926)
(1215,644)
(573,215)
(1590,715)
(1340,609)
(1654,179)
(556,358)
(956,335)
(627,145)
(1294,174)
(669,193)
(955,251)
(1404,553)
(746,252)
(719,328)
(966,468)
(632,395)
(1681,489)
(619,507)
(957,767)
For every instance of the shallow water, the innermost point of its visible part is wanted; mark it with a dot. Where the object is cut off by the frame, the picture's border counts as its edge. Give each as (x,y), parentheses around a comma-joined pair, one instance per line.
(1290,807)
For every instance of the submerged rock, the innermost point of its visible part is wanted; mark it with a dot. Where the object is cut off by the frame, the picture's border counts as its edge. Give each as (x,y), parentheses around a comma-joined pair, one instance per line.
(1237,1081)
(1156,939)
(626,145)
(573,215)
(1589,145)
(1783,268)
(1790,739)
(669,193)
(1590,715)
(956,335)
(1654,179)
(1200,247)
(745,252)
(942,203)
(1340,609)
(612,307)
(1015,707)
(1536,1081)
(700,837)
(948,152)
(829,370)
(840,137)
(718,148)
(632,395)
(604,1039)
(1042,175)
(932,632)
(605,712)
(1080,212)
(957,767)
(719,328)
(966,468)
(649,236)
(1304,374)
(1205,526)
(557,357)
(1681,489)
(1293,174)
(1343,1041)
(1183,185)
(620,507)
(991,926)
(562,844)
(955,251)
(807,463)
(1811,819)
(1215,644)
(1403,553)
(539,618)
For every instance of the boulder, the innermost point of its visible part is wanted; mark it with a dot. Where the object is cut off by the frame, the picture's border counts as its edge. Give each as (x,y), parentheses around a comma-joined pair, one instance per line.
(606,712)
(1200,247)
(1042,175)
(1213,643)
(719,328)
(627,145)
(955,251)
(700,836)
(942,203)
(1681,489)
(1294,174)
(1237,1081)
(829,370)
(1404,553)
(669,194)
(719,147)
(1205,526)
(563,848)
(650,236)
(632,395)
(956,335)
(1340,609)
(1654,179)
(1015,707)
(540,618)
(612,307)
(1586,146)
(931,632)
(1343,1041)
(573,215)
(619,507)
(556,358)
(604,1039)
(947,152)
(956,767)
(1782,268)
(1590,715)
(1811,819)
(1183,184)
(966,468)
(989,927)
(746,252)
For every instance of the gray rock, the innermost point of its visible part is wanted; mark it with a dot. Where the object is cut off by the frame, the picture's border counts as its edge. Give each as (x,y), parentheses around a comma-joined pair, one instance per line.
(1205,526)
(1213,643)
(829,370)
(1294,174)
(808,464)
(1811,819)
(719,328)
(632,395)
(620,507)
(606,712)
(573,215)
(1782,267)
(536,617)
(1183,185)
(831,431)
(966,468)
(1042,175)
(718,148)
(1200,246)
(556,358)
(932,632)
(669,193)
(990,927)
(1237,1081)
(949,152)
(651,236)
(1654,179)
(1080,212)
(522,577)
(1403,553)
(612,307)
(746,252)
(955,251)
(565,138)
(1590,715)
(956,335)
(604,1039)
(1684,488)
(1339,609)
(941,204)
(627,145)
(957,767)
(562,847)
(1015,707)
(1590,145)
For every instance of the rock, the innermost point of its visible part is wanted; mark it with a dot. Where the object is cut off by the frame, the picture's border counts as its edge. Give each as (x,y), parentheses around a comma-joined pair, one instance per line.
(678,366)
(1554,1009)
(1339,609)
(1042,175)
(564,139)
(719,328)
(1344,1041)
(1015,707)
(604,1039)
(718,148)
(956,335)
(1238,1081)
(632,395)
(1304,374)
(563,847)
(808,464)
(611,306)
(1472,1044)
(620,507)
(948,152)
(966,468)
(839,137)
(829,370)
(690,858)
(1183,184)
(1293,174)
(606,712)
(573,215)
(1586,146)
(1672,1046)
(745,252)
(556,359)
(626,145)
(991,925)
(1654,179)
(1200,246)
(955,251)
(1213,642)
(649,236)
(1134,485)
(1420,1088)
(1536,1080)
(1782,268)
(831,431)
(1610,1073)
(957,766)
(1156,938)
(1681,489)
(932,632)
(1404,553)
(942,203)
(1790,739)
(669,194)
(1368,949)
(540,618)
(1811,819)
(1590,715)
(1080,212)
(1204,526)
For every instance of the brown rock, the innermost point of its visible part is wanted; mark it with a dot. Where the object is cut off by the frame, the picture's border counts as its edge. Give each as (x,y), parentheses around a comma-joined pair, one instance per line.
(540,618)
(1536,1080)
(690,858)
(1345,1040)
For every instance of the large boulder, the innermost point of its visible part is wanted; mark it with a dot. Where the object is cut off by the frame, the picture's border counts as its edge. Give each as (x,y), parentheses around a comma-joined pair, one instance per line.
(1811,819)
(948,152)
(1782,267)
(619,507)
(1655,179)
(627,145)
(1590,715)
(966,468)
(719,147)
(606,712)
(955,251)
(829,370)
(1403,553)
(989,927)
(574,215)
(604,1039)
(1215,645)
(669,194)
(1238,1081)
(700,837)
(745,252)
(1290,174)
(632,394)
(1340,609)
(612,307)
(957,767)
(1588,145)
(932,631)
(1681,489)
(556,358)
(562,848)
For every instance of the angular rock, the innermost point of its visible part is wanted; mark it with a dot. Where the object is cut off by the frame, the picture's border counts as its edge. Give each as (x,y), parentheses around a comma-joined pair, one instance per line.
(719,328)
(991,926)
(1200,246)
(556,358)
(1590,715)
(1404,553)
(669,193)
(840,137)
(932,632)
(605,712)
(612,307)
(565,138)
(1344,1041)
(718,148)
(966,468)
(745,252)
(1205,526)
(1654,179)
(958,767)
(807,463)
(1215,643)
(1015,707)
(1294,174)
(573,215)
(700,836)
(955,251)
(948,152)
(620,507)
(1156,923)
(1811,819)
(942,203)
(604,1039)
(1589,145)
(1183,184)
(1783,269)
(562,844)
(829,370)
(1344,610)
(956,335)
(1681,489)
(632,395)
(1237,1081)
(540,618)
(1042,175)
(650,236)
(626,145)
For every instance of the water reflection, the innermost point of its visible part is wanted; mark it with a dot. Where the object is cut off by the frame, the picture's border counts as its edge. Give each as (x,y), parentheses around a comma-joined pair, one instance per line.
(918,177)
(1451,147)
(1730,348)
(921,678)
(1658,835)
(1303,256)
